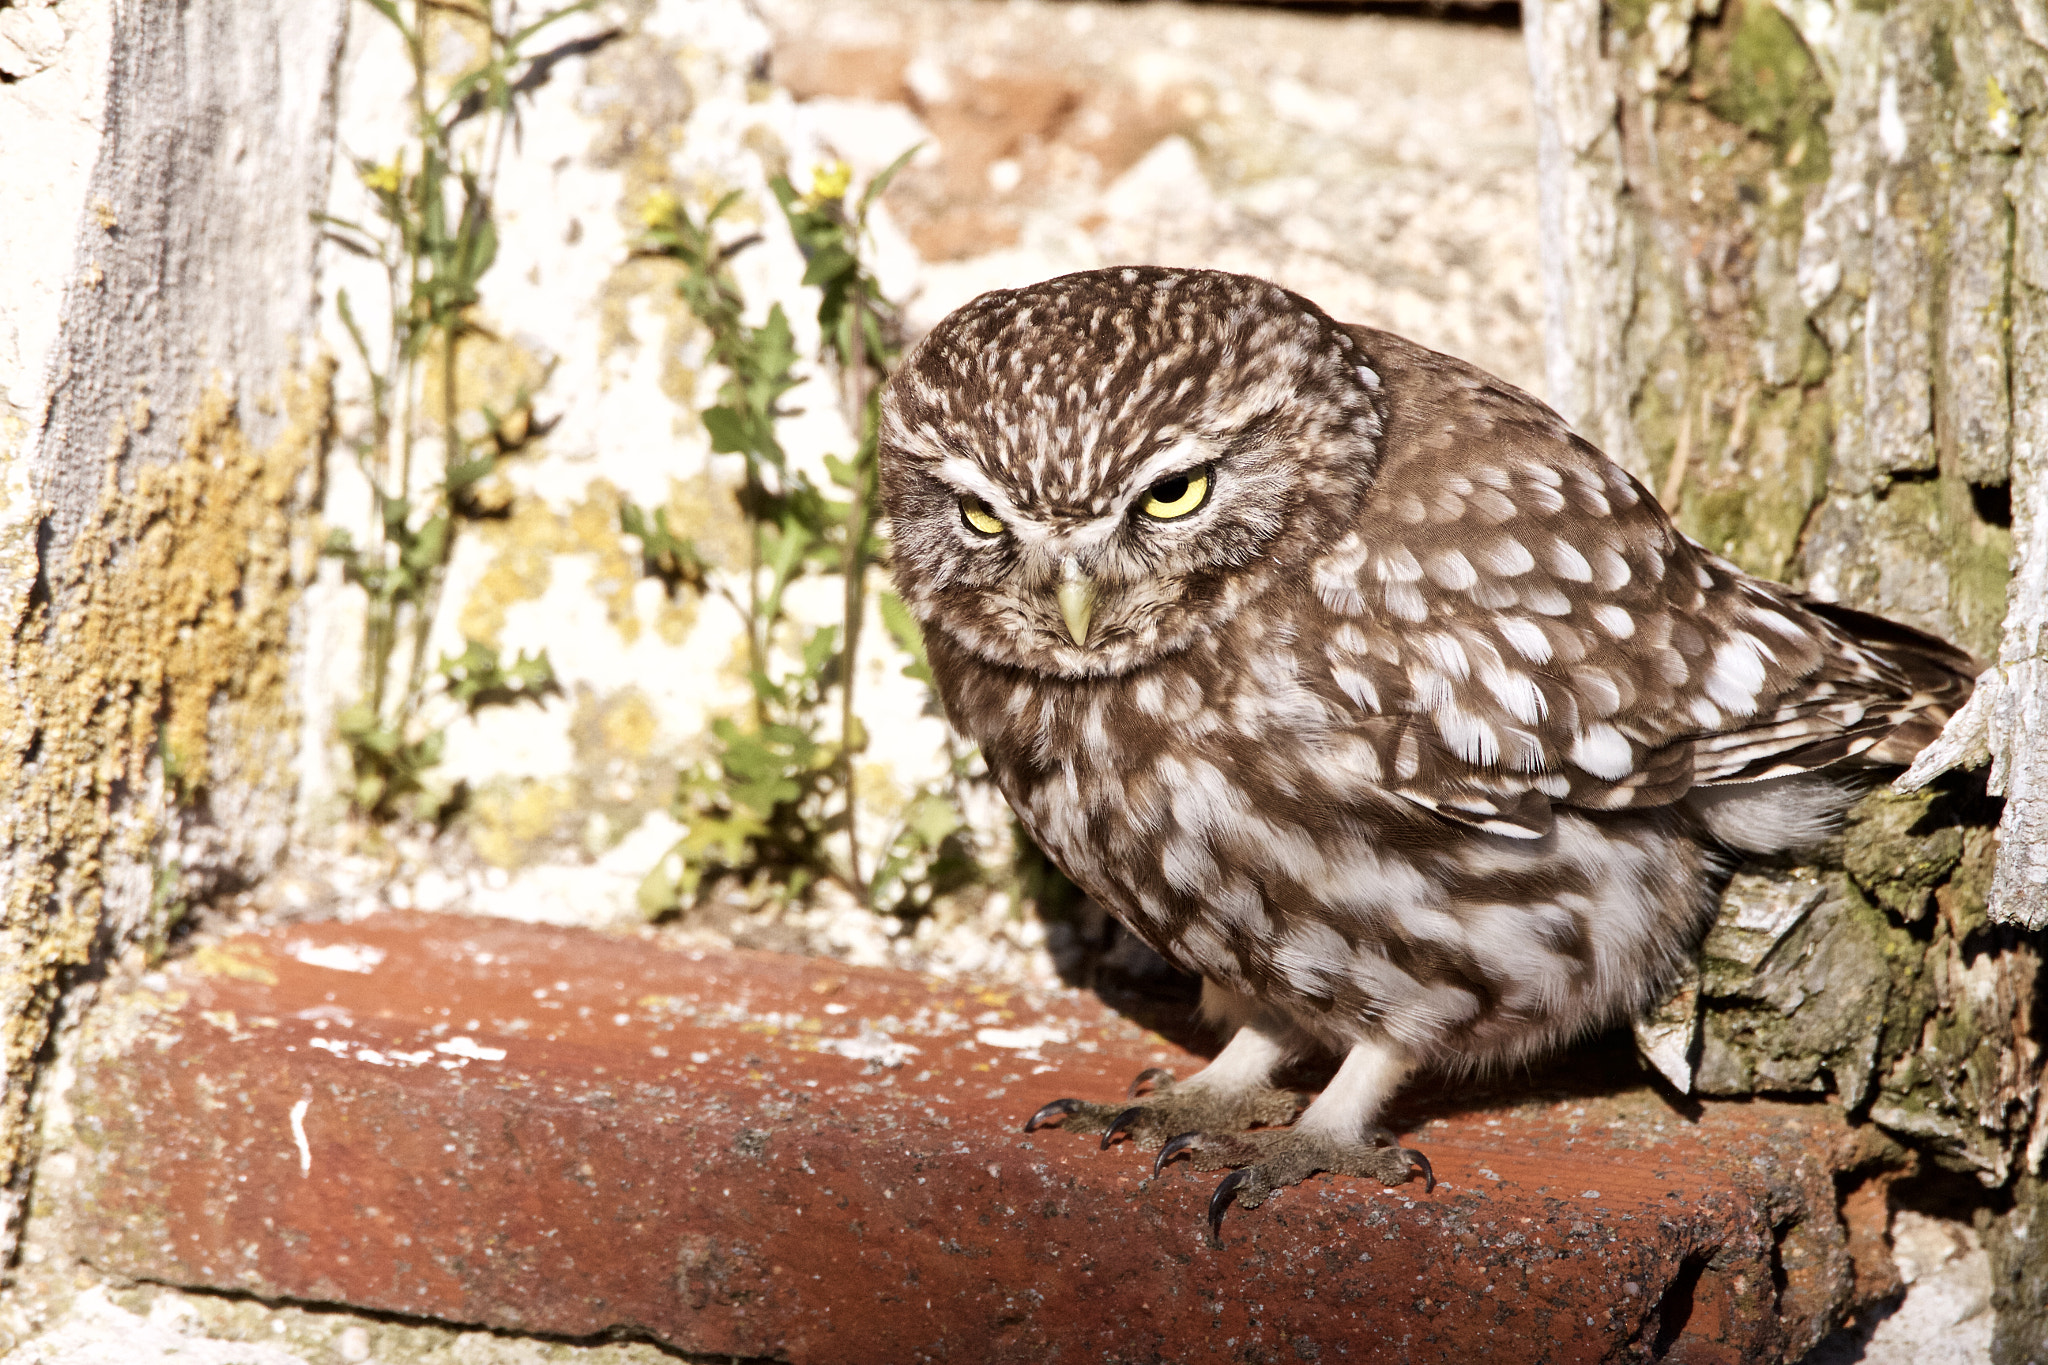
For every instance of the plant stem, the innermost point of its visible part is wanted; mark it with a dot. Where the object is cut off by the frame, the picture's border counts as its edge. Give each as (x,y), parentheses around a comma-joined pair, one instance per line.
(757,629)
(853,568)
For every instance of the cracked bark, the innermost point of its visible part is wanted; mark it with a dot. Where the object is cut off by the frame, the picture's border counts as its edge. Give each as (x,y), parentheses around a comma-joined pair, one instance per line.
(1797,272)
(158,427)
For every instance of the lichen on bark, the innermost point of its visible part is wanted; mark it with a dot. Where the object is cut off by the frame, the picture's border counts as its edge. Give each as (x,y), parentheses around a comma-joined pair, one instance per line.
(155,468)
(151,663)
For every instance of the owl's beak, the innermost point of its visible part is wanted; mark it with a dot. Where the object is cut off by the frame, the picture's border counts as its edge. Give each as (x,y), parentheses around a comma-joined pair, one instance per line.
(1076,597)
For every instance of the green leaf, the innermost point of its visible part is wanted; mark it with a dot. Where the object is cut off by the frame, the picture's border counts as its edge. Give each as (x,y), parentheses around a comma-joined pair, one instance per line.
(348,320)
(671,558)
(478,677)
(355,720)
(830,263)
(842,472)
(480,249)
(724,204)
(819,648)
(880,183)
(729,430)
(467,472)
(389,9)
(429,545)
(518,37)
(777,346)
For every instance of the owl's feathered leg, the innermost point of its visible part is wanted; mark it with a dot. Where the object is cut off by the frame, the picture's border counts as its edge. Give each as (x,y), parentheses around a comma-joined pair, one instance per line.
(1338,1133)
(1233,1092)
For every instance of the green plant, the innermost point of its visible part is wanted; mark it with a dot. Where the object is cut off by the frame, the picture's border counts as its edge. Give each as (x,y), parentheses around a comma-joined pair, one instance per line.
(778,797)
(422,453)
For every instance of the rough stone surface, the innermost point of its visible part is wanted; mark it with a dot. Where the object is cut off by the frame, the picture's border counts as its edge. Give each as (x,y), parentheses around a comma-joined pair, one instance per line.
(554,1131)
(1945,1317)
(1799,295)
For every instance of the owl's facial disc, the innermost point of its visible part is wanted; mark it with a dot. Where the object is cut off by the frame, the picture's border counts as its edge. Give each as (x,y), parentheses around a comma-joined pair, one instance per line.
(1094,571)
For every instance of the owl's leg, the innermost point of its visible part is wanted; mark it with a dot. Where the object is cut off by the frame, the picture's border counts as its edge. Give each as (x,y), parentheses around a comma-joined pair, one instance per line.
(1338,1133)
(1232,1093)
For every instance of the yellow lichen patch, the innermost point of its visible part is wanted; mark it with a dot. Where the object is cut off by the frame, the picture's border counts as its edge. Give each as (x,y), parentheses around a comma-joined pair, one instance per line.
(509,825)
(593,528)
(654,280)
(519,571)
(627,724)
(704,511)
(879,790)
(164,631)
(521,566)
(490,373)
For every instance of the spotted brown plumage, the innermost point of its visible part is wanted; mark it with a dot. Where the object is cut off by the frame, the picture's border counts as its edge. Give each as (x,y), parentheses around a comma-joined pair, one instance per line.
(1353,681)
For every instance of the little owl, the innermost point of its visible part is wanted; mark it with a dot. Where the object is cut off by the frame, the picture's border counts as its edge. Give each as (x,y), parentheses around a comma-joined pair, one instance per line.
(1352,681)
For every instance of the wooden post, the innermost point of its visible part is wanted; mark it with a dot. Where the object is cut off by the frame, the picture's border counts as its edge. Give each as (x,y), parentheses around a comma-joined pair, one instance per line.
(1796,256)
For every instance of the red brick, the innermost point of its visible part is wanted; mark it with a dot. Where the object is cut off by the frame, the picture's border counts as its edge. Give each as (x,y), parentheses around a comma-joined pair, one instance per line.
(668,1145)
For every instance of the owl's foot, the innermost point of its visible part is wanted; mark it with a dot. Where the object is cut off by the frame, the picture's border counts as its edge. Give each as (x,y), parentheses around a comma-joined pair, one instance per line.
(1149,1119)
(1266,1162)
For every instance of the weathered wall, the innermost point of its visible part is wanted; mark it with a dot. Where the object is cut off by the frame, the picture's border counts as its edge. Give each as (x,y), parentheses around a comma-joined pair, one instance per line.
(1383,166)
(1790,282)
(160,418)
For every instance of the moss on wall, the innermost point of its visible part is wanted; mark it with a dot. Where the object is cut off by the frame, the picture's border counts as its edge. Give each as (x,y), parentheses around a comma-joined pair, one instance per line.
(151,667)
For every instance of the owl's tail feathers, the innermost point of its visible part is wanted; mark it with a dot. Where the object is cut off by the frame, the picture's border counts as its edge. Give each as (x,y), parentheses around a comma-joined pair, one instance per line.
(1936,679)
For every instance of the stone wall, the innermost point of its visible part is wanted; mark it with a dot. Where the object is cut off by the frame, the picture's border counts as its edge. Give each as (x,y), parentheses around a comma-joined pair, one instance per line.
(1383,166)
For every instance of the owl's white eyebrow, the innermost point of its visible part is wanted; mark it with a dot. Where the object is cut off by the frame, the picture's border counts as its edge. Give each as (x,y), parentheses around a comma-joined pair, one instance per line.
(967,480)
(966,477)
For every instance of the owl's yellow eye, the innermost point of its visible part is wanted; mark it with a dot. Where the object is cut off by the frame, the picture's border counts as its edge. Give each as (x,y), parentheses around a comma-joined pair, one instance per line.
(979,518)
(1177,496)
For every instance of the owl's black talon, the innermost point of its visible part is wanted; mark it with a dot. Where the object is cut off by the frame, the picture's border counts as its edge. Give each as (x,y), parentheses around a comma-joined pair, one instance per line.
(1173,1148)
(1416,1158)
(1222,1199)
(1149,1074)
(1119,1124)
(1057,1109)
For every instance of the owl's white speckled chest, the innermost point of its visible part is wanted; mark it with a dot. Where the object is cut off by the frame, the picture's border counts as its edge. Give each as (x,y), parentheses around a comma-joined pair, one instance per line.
(1232,828)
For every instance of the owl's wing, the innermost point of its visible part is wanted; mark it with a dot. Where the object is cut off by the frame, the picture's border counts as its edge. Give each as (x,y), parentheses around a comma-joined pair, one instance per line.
(1513,622)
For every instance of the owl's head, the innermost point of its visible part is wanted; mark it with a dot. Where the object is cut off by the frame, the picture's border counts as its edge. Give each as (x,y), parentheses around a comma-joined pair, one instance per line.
(1085,474)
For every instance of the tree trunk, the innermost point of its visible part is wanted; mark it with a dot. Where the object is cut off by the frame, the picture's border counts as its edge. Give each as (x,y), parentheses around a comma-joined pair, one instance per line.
(157,433)
(1795,262)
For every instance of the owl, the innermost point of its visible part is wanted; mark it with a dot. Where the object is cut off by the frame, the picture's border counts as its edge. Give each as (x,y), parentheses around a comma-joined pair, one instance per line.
(1353,682)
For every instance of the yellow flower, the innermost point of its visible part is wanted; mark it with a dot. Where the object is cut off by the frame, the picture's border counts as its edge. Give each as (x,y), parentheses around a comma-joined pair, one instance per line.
(384,179)
(660,210)
(830,182)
